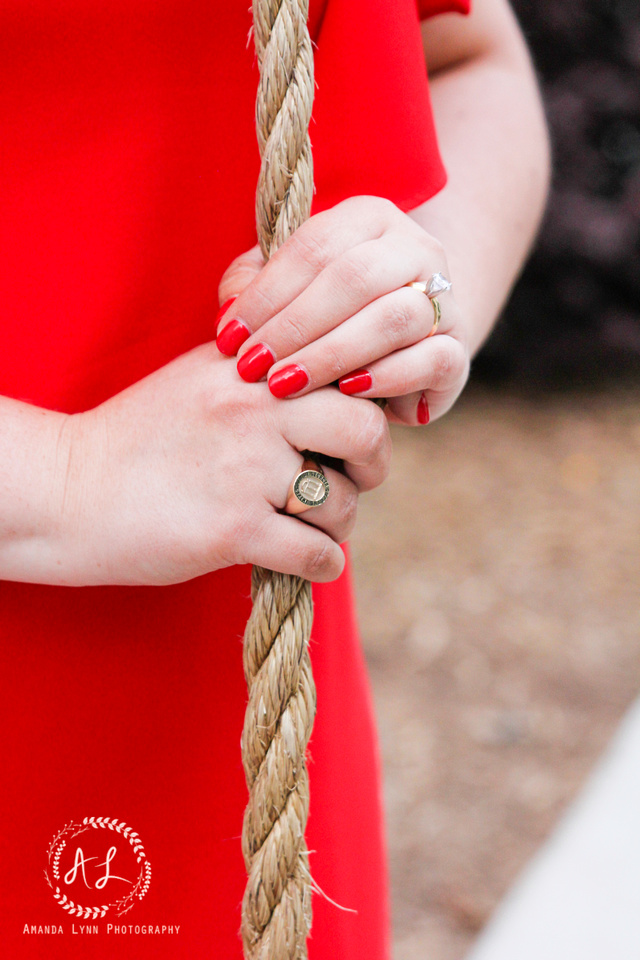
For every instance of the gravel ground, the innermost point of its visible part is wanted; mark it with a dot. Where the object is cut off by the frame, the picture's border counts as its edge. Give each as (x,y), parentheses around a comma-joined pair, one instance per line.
(497,578)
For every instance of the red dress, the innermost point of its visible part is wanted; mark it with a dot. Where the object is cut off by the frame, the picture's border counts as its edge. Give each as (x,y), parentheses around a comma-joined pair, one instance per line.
(127,175)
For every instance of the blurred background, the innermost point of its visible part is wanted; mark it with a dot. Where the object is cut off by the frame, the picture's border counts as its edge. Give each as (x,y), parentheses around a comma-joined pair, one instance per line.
(497,570)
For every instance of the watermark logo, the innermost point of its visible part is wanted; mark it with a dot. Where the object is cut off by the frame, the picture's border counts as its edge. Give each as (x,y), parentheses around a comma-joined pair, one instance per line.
(97,866)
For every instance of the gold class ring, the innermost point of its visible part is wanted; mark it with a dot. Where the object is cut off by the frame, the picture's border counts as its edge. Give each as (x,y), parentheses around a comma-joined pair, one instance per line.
(309,488)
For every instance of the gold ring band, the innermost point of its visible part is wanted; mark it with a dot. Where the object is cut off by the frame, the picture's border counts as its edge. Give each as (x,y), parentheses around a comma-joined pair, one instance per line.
(309,488)
(423,287)
(437,314)
(430,289)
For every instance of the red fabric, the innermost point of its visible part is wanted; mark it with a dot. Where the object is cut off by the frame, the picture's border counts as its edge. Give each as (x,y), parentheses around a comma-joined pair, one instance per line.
(127,175)
(429,8)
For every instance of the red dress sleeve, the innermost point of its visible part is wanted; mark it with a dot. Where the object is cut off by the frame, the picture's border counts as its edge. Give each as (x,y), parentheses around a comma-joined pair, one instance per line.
(372,130)
(429,8)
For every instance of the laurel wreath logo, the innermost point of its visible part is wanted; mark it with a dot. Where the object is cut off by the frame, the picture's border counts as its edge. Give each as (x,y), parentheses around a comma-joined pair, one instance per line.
(74,829)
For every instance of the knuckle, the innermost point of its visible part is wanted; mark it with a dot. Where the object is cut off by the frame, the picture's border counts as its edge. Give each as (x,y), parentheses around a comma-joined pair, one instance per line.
(241,413)
(357,201)
(387,205)
(373,433)
(403,383)
(320,562)
(355,277)
(266,298)
(433,246)
(239,532)
(334,361)
(360,202)
(371,209)
(294,331)
(384,207)
(399,322)
(383,458)
(347,512)
(444,367)
(223,404)
(311,246)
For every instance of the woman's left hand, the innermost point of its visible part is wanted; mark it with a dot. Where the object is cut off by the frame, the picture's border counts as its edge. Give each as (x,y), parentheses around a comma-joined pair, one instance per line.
(332,304)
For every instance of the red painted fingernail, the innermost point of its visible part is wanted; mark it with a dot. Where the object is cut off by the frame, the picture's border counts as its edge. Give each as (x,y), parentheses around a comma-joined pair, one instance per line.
(423,409)
(289,380)
(356,382)
(231,337)
(253,364)
(223,309)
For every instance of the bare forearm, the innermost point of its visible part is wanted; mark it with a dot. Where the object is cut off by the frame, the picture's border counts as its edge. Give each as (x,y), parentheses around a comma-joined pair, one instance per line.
(494,143)
(33,467)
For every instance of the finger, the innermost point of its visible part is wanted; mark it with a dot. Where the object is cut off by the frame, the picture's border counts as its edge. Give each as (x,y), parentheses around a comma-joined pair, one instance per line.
(358,278)
(438,366)
(354,431)
(337,515)
(399,319)
(236,278)
(305,254)
(285,544)
(417,409)
(240,273)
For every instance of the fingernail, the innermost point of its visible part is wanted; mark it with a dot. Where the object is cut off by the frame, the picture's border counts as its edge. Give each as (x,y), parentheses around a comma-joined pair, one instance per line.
(253,364)
(221,312)
(231,338)
(423,409)
(356,382)
(289,380)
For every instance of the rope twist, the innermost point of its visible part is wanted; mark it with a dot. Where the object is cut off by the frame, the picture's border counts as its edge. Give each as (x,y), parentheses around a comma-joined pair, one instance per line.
(276,909)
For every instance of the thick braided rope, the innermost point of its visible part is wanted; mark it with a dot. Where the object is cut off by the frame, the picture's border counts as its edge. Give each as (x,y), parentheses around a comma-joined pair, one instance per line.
(276,910)
(283,112)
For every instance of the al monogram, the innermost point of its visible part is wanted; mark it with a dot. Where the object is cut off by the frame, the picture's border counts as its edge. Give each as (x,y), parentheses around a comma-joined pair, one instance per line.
(97,866)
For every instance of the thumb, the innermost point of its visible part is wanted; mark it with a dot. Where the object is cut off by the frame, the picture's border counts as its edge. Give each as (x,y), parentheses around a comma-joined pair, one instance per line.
(239,274)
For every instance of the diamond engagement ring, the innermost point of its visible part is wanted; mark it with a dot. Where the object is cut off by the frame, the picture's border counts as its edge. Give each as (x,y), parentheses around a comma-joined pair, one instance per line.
(309,488)
(431,288)
(437,284)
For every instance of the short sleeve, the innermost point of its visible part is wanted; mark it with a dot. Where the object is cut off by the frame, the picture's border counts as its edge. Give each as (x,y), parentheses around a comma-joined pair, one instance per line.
(429,8)
(373,129)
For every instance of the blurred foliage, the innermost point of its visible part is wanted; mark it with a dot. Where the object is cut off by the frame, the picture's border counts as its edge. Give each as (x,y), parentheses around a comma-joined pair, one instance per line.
(574,317)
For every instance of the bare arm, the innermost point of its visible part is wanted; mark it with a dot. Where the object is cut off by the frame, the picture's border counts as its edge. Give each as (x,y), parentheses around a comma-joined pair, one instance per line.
(495,148)
(180,474)
(34,456)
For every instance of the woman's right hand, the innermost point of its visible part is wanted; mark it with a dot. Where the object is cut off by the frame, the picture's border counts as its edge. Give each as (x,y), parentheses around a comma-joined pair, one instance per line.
(186,471)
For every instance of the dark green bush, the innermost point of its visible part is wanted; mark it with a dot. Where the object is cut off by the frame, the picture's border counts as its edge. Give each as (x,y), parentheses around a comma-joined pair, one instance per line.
(574,317)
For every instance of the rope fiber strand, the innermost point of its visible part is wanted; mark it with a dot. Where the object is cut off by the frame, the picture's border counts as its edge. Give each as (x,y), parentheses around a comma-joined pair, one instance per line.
(276,909)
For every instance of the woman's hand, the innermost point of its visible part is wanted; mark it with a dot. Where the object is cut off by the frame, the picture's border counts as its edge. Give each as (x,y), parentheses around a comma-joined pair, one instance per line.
(332,304)
(186,471)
